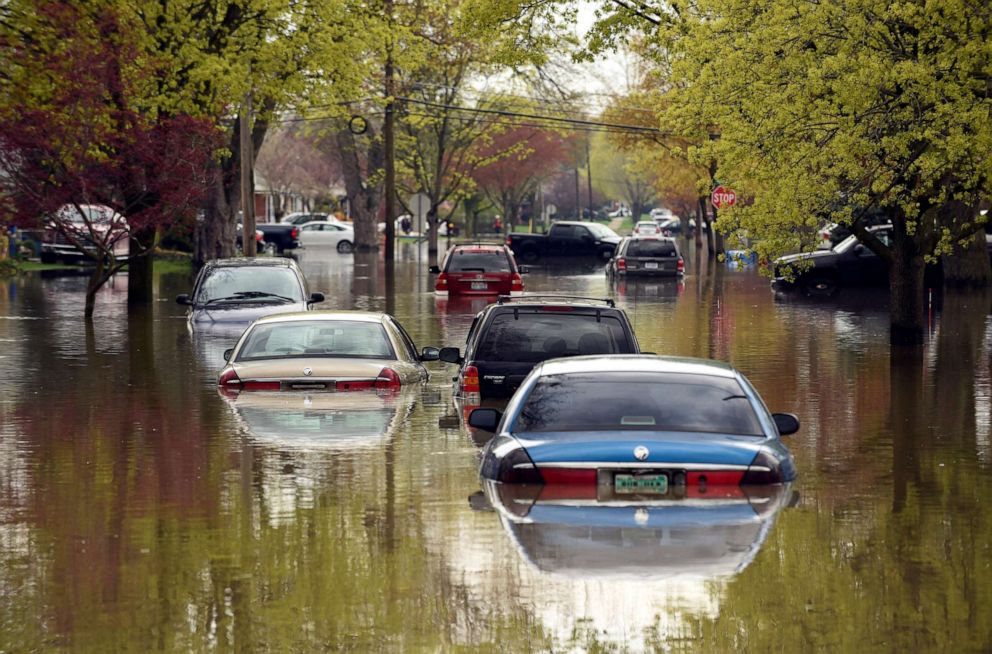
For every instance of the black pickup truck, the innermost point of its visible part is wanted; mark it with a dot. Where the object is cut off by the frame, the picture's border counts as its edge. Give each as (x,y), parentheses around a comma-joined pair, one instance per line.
(565,239)
(276,237)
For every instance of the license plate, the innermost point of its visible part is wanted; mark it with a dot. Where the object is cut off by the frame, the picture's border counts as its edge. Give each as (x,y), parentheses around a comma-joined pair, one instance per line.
(650,265)
(308,386)
(479,286)
(656,484)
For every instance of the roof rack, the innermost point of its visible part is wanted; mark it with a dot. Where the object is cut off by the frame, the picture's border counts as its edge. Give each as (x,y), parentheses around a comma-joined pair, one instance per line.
(503,299)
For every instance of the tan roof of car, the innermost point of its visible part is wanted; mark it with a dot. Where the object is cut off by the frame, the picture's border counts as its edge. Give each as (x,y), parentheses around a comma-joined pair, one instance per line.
(338,314)
(635,363)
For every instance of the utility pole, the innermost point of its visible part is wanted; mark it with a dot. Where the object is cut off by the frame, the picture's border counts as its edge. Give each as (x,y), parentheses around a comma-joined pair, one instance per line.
(388,137)
(578,203)
(247,180)
(589,175)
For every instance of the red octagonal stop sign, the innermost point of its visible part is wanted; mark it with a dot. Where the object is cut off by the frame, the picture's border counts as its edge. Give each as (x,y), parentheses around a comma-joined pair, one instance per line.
(723,196)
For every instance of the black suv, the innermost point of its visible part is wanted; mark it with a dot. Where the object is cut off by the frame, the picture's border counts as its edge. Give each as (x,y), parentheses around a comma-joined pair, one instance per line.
(508,338)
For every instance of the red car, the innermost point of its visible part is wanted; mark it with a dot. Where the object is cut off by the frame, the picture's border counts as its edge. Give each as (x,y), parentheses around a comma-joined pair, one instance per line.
(479,270)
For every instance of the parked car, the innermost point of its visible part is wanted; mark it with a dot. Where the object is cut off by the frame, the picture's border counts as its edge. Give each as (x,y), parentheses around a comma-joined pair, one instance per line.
(640,425)
(327,233)
(565,239)
(478,270)
(647,255)
(303,217)
(230,293)
(86,226)
(324,350)
(646,228)
(277,238)
(671,226)
(619,212)
(661,213)
(508,338)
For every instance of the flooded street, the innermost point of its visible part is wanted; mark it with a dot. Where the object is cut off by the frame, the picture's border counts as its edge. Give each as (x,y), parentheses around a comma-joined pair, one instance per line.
(140,510)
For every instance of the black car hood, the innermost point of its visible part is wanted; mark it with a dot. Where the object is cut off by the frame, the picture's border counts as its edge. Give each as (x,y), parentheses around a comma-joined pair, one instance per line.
(805,256)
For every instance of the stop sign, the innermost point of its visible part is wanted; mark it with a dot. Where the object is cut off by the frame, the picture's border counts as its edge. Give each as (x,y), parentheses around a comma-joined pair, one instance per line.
(723,196)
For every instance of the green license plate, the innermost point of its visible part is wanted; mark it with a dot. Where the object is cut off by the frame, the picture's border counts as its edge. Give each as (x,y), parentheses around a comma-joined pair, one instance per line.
(641,483)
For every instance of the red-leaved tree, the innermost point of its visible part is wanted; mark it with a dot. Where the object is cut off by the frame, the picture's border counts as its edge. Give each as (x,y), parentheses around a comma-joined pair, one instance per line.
(533,155)
(76,130)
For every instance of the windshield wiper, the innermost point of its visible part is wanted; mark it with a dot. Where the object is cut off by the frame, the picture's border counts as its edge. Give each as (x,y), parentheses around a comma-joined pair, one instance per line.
(249,295)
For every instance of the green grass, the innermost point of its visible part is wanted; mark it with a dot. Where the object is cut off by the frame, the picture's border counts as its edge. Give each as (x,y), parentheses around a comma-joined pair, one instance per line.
(30,266)
(173,265)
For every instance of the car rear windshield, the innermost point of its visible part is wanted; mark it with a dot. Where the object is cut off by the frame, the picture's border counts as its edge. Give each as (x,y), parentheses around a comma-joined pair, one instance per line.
(638,402)
(478,261)
(250,283)
(651,248)
(304,339)
(532,337)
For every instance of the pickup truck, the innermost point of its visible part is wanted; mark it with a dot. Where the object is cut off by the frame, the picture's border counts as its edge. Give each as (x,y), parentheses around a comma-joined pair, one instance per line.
(565,239)
(276,237)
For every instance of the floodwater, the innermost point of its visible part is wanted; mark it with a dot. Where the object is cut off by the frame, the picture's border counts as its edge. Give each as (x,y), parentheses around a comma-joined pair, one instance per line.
(141,511)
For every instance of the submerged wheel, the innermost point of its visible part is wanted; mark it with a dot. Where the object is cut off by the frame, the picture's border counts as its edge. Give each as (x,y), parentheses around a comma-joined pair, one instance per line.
(270,248)
(345,246)
(530,256)
(606,255)
(819,286)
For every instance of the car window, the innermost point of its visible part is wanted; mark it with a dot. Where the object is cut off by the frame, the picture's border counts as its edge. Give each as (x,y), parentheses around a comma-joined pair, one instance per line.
(408,343)
(310,228)
(478,261)
(365,340)
(531,338)
(602,231)
(638,401)
(651,248)
(563,231)
(228,282)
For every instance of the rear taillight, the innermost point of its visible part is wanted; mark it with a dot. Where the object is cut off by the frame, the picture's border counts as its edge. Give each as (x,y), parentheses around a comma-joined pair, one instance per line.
(388,379)
(354,385)
(294,233)
(557,309)
(766,469)
(261,386)
(568,476)
(621,264)
(470,380)
(517,468)
(442,282)
(509,241)
(228,379)
(680,266)
(516,283)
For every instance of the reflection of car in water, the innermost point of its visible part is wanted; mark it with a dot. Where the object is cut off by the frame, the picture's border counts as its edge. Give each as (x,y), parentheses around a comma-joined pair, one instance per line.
(568,531)
(323,419)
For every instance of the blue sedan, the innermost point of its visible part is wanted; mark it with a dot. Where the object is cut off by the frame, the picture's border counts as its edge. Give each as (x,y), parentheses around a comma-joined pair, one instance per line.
(636,425)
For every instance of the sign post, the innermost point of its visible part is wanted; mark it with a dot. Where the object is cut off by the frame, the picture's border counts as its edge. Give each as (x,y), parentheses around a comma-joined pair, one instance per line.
(723,196)
(419,204)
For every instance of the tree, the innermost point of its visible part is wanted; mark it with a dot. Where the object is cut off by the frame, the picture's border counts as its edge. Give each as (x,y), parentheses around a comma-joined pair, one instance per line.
(520,159)
(619,176)
(292,161)
(71,135)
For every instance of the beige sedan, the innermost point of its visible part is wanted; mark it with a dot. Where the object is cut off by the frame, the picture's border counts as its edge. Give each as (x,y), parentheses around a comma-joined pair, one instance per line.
(324,350)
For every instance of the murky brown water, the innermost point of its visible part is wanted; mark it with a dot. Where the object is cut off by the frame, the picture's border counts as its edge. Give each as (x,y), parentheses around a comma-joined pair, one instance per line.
(140,511)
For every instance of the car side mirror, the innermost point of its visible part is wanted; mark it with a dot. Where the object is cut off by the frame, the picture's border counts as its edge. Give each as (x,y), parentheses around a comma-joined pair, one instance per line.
(523,270)
(786,423)
(449,355)
(859,249)
(227,353)
(316,297)
(434,270)
(485,419)
(183,299)
(449,422)
(430,354)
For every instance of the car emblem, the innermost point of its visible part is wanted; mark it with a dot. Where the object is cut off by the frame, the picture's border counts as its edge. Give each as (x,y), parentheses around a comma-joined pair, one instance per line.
(641,452)
(307,371)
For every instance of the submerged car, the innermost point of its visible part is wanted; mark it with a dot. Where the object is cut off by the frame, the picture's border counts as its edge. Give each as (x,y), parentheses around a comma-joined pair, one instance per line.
(638,425)
(647,255)
(327,233)
(478,270)
(230,293)
(646,228)
(324,350)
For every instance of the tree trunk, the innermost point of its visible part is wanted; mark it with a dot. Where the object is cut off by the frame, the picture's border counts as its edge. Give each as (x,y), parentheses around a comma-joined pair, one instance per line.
(969,267)
(363,199)
(96,281)
(700,216)
(139,267)
(906,314)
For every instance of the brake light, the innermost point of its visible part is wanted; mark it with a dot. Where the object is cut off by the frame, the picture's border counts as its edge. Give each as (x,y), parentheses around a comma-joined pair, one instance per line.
(516,283)
(442,282)
(354,385)
(765,469)
(559,309)
(228,379)
(680,266)
(509,241)
(294,233)
(388,379)
(621,264)
(518,468)
(568,476)
(261,386)
(470,380)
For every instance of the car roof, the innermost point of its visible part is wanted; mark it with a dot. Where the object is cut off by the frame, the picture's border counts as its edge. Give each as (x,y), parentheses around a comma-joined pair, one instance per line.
(327,315)
(479,247)
(635,363)
(272,262)
(537,300)
(651,237)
